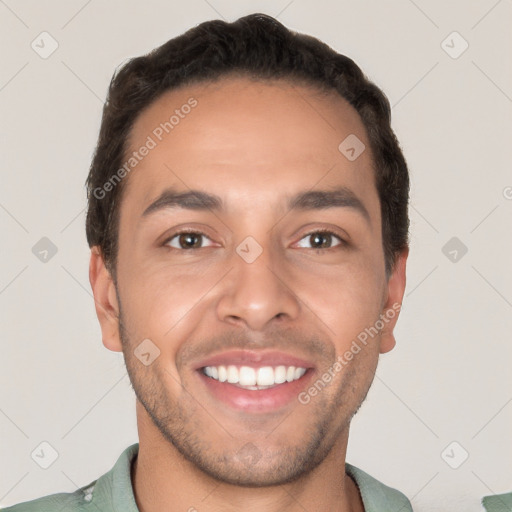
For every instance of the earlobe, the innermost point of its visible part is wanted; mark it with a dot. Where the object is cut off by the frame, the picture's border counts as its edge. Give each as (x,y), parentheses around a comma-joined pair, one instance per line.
(393,303)
(105,300)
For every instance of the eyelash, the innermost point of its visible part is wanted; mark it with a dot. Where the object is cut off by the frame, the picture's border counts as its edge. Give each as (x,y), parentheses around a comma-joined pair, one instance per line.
(342,243)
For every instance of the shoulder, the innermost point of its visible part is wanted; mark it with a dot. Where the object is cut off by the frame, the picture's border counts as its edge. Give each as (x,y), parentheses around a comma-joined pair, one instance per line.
(498,502)
(65,501)
(112,491)
(377,496)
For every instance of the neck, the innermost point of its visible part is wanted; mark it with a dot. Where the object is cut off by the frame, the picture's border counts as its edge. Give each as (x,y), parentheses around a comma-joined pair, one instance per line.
(164,481)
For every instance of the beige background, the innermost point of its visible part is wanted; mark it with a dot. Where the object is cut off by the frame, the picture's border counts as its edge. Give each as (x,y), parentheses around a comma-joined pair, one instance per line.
(448,378)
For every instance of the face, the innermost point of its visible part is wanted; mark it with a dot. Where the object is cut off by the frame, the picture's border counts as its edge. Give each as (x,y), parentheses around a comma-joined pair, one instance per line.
(250,260)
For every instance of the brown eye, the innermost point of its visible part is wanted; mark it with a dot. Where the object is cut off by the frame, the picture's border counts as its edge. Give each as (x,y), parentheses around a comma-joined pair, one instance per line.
(321,240)
(187,240)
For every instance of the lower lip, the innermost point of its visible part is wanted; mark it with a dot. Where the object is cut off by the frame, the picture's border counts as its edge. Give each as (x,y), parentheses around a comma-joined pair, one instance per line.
(262,400)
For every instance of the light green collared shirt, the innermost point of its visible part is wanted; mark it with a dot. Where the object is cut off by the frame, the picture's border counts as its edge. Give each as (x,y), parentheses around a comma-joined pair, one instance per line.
(113,492)
(498,502)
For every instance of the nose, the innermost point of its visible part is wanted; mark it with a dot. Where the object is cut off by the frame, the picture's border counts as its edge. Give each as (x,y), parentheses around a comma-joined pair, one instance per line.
(257,293)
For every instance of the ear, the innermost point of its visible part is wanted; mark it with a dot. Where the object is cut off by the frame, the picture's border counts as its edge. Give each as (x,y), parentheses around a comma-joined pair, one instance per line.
(105,300)
(393,303)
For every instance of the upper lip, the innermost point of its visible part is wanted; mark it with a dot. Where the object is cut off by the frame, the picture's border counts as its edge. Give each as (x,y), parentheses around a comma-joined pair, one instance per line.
(254,358)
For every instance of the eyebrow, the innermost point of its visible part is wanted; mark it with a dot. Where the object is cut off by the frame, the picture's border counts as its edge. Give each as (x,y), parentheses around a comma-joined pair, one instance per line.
(198,200)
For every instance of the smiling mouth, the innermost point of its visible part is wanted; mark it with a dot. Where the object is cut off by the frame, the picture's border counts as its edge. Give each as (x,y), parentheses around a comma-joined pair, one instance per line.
(254,379)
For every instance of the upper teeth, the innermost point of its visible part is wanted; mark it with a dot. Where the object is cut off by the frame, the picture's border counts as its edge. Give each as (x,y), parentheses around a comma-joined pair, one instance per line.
(248,376)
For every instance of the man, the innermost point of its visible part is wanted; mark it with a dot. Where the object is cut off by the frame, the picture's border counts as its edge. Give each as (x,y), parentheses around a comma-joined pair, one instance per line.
(248,229)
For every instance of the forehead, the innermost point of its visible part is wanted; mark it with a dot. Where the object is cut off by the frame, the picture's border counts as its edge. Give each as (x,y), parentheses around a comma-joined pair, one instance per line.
(252,137)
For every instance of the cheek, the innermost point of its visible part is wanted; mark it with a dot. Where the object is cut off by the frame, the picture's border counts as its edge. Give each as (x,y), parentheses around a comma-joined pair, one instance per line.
(347,300)
(165,303)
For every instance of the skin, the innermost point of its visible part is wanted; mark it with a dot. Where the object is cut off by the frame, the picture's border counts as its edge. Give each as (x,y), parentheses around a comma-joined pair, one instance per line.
(253,144)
